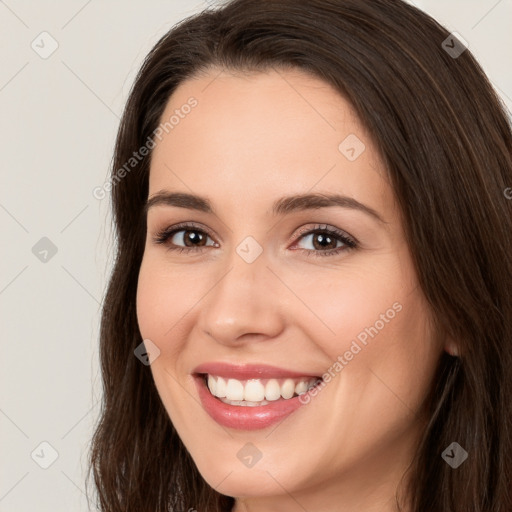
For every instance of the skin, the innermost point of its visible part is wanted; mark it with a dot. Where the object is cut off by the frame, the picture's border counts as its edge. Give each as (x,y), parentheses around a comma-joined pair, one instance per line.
(252,139)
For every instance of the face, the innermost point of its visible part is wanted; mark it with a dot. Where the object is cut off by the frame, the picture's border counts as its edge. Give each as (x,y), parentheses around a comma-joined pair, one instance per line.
(265,294)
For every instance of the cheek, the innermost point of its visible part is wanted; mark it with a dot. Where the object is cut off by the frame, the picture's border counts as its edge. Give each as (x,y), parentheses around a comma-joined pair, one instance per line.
(373,326)
(163,301)
(164,298)
(150,306)
(338,306)
(388,356)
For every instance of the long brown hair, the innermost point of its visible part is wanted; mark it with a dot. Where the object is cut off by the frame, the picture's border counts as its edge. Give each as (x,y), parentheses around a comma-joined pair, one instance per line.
(444,137)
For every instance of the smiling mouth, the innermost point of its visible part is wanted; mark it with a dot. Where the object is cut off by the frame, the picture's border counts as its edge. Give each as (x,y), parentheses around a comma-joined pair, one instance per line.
(257,392)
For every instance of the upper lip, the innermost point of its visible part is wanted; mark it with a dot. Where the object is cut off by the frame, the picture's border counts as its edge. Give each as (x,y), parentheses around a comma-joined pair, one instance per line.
(248,371)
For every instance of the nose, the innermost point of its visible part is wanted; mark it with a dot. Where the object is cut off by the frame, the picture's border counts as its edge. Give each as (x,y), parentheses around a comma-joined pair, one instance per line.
(244,305)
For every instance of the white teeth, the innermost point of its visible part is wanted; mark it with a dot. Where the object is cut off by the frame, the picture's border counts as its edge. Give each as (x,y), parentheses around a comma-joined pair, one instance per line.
(272,390)
(212,385)
(288,388)
(244,403)
(301,387)
(255,392)
(220,389)
(234,390)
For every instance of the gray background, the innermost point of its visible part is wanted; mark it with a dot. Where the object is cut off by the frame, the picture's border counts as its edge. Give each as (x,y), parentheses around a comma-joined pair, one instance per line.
(59,117)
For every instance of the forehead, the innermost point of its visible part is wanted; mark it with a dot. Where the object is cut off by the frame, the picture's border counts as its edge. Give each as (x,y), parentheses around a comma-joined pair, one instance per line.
(250,138)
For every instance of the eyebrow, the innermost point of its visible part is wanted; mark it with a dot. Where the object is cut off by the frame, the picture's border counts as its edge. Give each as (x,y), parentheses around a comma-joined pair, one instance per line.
(281,206)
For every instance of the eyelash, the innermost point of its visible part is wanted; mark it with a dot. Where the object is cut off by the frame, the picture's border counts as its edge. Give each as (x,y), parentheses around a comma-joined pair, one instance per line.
(161,237)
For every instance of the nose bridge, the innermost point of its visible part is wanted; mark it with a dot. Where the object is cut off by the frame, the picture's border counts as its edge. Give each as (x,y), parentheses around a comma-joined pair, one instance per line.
(242,300)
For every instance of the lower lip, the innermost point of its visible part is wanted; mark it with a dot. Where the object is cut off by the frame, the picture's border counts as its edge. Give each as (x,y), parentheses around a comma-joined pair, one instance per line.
(245,417)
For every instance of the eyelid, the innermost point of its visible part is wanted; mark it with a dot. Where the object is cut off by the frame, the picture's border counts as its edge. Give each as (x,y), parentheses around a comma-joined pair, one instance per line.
(327,228)
(182,226)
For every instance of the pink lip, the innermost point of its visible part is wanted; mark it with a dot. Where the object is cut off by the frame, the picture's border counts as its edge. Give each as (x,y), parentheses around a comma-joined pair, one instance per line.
(240,417)
(248,371)
(244,418)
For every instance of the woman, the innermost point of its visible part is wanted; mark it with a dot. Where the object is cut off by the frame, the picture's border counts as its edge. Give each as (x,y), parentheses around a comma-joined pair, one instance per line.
(243,372)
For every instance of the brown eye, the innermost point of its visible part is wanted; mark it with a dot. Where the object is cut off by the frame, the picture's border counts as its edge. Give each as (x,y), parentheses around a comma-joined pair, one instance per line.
(325,241)
(190,238)
(184,238)
(321,241)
